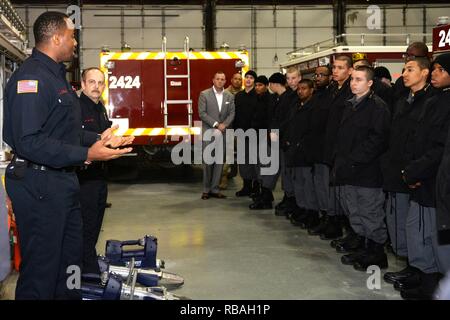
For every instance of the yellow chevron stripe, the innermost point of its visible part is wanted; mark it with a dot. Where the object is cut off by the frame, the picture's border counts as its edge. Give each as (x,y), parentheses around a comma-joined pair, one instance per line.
(145,55)
(158,131)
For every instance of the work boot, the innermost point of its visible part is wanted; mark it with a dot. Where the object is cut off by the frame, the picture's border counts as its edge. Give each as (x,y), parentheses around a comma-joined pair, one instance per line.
(246,189)
(312,219)
(320,228)
(256,189)
(426,290)
(393,277)
(332,229)
(375,255)
(298,216)
(352,244)
(264,201)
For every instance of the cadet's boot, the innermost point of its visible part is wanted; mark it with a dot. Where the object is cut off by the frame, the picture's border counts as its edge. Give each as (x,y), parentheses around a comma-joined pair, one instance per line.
(351,258)
(352,244)
(298,216)
(290,207)
(393,277)
(264,201)
(425,291)
(349,235)
(285,207)
(332,229)
(375,256)
(413,281)
(312,219)
(246,189)
(320,228)
(282,203)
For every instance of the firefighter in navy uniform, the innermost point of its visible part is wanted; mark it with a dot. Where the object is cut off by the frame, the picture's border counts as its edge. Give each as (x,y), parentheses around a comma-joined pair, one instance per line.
(42,126)
(92,178)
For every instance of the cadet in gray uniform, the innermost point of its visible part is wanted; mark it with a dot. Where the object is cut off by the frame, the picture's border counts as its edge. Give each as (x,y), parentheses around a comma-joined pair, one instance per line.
(425,150)
(361,140)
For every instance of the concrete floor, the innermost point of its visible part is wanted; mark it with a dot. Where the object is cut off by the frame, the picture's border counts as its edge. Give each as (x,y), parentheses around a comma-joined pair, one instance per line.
(226,251)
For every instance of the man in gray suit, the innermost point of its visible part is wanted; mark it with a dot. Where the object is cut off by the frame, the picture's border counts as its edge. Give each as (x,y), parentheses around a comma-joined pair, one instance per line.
(216,110)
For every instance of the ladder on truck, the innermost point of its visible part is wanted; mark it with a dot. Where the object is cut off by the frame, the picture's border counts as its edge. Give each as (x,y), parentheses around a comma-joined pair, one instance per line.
(188,101)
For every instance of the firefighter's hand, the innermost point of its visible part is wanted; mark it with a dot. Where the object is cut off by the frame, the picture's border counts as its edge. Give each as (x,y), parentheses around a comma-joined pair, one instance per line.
(221,127)
(116,141)
(100,152)
(108,133)
(273,137)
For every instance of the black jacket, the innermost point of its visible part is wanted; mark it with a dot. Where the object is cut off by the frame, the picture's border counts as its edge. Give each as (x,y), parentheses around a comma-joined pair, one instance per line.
(94,119)
(443,182)
(385,92)
(262,115)
(361,140)
(338,101)
(425,149)
(245,107)
(295,142)
(281,109)
(405,120)
(320,108)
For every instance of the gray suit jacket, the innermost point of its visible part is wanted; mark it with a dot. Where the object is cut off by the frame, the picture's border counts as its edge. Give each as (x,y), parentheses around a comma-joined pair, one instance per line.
(208,109)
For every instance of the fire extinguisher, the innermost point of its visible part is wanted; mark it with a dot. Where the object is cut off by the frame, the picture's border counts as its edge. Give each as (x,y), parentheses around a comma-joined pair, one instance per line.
(13,238)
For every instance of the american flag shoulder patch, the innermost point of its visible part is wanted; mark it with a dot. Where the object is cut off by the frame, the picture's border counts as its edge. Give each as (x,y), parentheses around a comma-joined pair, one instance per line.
(27,86)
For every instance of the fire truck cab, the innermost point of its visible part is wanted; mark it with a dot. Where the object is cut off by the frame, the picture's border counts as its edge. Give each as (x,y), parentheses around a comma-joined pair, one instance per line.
(154,95)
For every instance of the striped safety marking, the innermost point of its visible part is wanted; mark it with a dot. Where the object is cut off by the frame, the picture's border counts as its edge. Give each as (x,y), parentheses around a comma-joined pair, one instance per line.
(170,55)
(178,131)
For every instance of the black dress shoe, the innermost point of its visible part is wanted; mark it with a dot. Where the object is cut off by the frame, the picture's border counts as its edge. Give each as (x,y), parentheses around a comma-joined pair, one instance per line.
(393,277)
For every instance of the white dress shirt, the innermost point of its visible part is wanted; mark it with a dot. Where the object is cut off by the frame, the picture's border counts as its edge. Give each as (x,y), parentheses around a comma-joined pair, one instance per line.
(219,98)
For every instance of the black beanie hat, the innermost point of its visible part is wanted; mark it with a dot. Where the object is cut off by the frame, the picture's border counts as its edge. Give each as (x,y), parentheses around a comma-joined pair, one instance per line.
(382,72)
(278,77)
(444,60)
(251,73)
(262,79)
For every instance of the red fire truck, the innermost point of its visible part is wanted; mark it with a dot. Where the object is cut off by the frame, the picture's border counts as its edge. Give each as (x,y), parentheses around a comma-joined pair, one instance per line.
(154,95)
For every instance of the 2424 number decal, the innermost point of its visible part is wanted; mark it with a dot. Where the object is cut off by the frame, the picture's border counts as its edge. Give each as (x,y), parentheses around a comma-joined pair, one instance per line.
(124,82)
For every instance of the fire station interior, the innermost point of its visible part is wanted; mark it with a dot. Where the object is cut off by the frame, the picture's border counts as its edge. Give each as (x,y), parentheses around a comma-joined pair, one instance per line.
(157,57)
